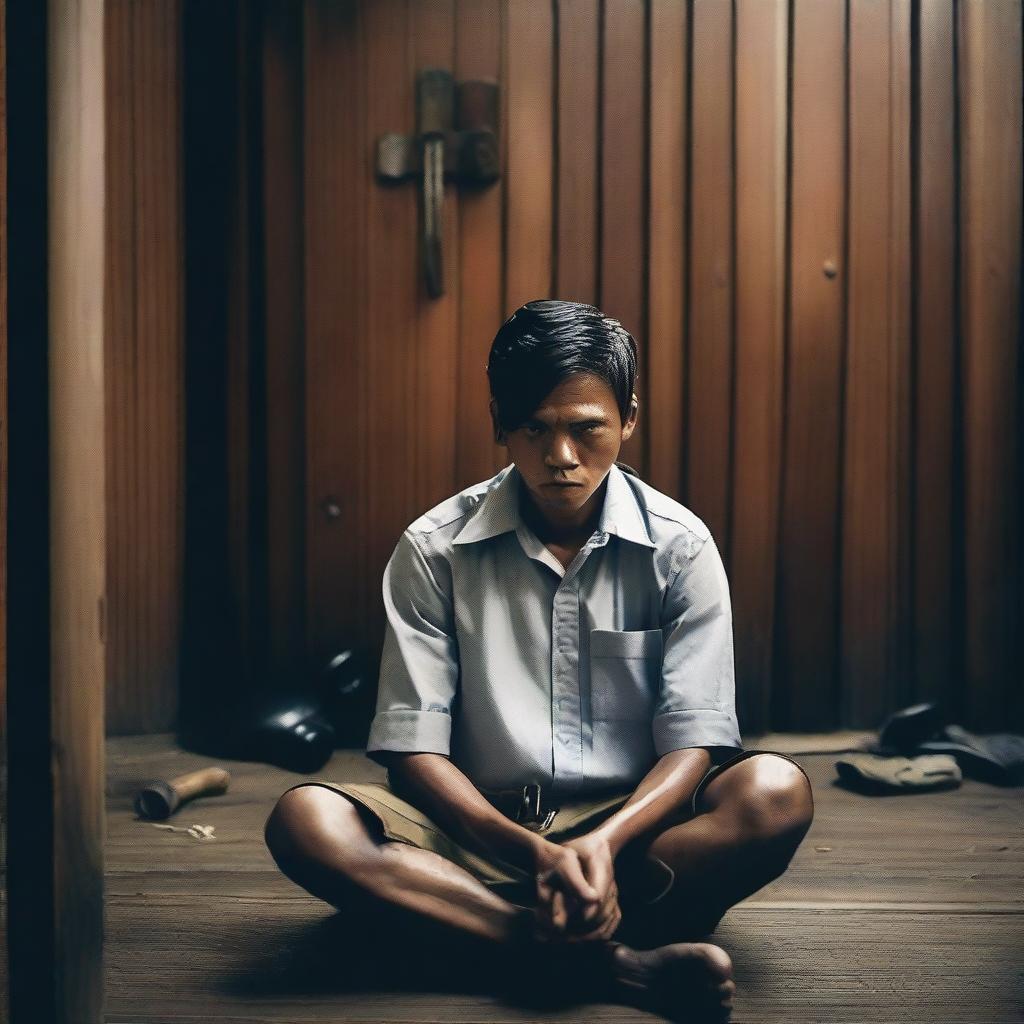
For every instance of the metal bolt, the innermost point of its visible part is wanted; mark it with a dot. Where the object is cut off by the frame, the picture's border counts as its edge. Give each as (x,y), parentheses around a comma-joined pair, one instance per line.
(830,269)
(331,508)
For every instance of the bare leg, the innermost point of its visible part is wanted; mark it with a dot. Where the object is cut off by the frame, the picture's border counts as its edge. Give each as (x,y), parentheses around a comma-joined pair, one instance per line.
(321,842)
(758,813)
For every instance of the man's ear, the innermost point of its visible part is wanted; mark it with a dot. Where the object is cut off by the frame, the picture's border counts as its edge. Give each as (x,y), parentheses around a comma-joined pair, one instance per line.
(499,434)
(630,425)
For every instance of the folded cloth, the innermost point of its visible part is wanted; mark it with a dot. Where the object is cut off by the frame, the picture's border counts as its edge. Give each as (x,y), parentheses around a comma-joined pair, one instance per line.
(996,758)
(873,773)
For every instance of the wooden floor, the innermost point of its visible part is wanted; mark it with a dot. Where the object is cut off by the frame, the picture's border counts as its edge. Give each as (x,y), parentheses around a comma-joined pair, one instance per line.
(903,908)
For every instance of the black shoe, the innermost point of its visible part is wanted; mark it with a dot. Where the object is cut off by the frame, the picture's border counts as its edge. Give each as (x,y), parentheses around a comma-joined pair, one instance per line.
(346,694)
(292,733)
(905,730)
(288,731)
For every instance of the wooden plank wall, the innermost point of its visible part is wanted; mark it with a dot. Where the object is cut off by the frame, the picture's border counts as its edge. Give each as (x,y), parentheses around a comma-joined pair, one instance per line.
(989,73)
(282,200)
(144,351)
(225,637)
(808,214)
(760,311)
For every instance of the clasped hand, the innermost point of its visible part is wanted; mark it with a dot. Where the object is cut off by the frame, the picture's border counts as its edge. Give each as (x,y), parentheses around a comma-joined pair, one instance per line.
(577,897)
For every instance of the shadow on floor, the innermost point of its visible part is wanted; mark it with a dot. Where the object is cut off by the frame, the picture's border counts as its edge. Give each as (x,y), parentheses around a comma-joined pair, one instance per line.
(330,955)
(325,957)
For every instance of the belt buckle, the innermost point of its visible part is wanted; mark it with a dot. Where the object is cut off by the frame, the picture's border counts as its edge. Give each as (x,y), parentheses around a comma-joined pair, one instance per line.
(529,808)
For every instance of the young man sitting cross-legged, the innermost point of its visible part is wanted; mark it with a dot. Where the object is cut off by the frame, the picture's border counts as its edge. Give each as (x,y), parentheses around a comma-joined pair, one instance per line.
(556,707)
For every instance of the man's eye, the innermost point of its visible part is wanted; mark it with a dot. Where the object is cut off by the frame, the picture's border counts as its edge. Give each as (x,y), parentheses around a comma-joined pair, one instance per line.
(532,429)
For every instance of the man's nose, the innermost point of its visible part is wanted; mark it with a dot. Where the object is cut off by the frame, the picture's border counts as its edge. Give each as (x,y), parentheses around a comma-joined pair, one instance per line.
(562,454)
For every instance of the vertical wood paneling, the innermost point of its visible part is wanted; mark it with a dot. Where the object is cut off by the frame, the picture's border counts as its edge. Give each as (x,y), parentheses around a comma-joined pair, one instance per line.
(242,365)
(667,267)
(935,349)
(224,649)
(761,96)
(684,166)
(579,51)
(394,271)
(354,347)
(146,345)
(285,364)
(899,687)
(623,174)
(528,156)
(812,452)
(709,366)
(144,338)
(123,687)
(866,537)
(477,55)
(432,44)
(159,347)
(871,586)
(990,133)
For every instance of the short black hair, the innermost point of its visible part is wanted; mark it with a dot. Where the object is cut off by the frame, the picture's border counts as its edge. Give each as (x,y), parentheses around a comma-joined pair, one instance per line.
(547,340)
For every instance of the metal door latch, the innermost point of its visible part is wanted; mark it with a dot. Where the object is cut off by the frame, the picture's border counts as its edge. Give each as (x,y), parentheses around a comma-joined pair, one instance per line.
(456,140)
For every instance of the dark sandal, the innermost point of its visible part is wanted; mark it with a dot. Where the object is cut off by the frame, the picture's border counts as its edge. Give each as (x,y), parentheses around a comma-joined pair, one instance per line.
(997,758)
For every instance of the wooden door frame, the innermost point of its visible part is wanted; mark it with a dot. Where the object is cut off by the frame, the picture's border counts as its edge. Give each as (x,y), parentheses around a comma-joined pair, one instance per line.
(56,534)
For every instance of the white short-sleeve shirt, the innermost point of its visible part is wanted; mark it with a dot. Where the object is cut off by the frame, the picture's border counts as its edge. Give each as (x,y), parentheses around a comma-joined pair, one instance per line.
(576,678)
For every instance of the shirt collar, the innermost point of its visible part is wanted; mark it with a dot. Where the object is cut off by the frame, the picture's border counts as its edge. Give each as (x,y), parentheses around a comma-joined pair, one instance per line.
(499,511)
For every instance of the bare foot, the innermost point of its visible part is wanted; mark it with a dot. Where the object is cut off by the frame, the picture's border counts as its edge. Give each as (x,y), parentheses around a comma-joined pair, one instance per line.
(691,980)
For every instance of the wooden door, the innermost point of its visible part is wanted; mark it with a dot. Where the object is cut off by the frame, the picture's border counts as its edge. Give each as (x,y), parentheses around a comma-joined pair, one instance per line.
(395,389)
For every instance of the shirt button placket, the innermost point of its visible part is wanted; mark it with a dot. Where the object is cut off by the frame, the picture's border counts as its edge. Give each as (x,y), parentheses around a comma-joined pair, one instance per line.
(565,693)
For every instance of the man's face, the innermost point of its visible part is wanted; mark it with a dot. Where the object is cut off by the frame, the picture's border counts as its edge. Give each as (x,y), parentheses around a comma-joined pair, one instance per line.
(566,447)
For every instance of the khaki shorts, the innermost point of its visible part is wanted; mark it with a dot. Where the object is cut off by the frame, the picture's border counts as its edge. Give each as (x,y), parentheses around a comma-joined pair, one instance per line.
(642,880)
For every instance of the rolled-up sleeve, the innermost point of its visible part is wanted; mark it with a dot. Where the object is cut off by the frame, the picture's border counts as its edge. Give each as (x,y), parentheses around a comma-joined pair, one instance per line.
(419,669)
(697,701)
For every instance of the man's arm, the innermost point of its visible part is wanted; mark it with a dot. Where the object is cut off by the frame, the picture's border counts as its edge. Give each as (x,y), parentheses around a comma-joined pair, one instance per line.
(666,787)
(663,789)
(451,800)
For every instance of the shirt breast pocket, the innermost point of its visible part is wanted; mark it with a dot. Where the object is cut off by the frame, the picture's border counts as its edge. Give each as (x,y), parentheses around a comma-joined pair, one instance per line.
(625,673)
